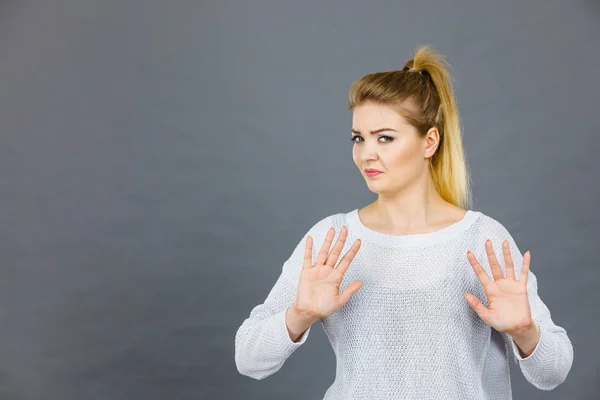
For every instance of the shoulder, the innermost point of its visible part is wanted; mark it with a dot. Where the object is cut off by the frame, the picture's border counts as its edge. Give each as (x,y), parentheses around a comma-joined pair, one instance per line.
(492,226)
(322,223)
(496,231)
(317,231)
(321,226)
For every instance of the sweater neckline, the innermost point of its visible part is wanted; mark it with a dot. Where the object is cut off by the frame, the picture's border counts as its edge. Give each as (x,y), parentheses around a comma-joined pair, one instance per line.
(355,224)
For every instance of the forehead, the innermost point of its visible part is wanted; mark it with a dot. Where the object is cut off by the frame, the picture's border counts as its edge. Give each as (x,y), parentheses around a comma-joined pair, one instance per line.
(372,116)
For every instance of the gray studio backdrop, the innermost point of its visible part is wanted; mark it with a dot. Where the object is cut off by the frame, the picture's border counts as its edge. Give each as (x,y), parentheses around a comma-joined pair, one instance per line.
(160,160)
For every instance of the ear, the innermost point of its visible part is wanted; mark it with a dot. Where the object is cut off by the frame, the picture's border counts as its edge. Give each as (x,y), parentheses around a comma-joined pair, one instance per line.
(432,140)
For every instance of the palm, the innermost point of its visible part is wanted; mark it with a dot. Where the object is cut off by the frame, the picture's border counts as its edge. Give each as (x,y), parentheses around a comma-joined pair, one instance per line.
(508,303)
(318,291)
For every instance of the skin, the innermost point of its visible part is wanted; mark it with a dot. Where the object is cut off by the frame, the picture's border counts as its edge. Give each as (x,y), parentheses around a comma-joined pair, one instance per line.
(407,203)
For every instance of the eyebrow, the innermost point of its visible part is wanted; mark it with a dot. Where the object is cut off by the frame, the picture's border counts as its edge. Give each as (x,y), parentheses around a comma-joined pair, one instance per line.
(376,131)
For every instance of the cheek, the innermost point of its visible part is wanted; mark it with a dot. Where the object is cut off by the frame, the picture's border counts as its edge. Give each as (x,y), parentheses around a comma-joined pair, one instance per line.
(400,156)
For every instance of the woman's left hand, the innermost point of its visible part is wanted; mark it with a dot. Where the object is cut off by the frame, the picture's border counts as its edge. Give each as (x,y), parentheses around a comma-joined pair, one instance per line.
(508,304)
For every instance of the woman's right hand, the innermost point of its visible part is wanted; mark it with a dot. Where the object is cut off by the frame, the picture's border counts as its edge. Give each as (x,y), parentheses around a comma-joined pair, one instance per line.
(318,294)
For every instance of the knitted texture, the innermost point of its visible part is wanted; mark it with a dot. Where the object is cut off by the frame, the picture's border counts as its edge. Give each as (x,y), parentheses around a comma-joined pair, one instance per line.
(409,333)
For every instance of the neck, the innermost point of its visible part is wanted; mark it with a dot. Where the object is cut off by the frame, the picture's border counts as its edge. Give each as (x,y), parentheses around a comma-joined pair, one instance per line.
(415,207)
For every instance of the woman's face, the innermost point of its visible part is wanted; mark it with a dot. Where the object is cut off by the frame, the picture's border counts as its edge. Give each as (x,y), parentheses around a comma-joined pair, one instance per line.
(383,140)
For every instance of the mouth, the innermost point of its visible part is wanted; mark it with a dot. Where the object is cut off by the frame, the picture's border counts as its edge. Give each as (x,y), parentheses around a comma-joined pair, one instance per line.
(372,172)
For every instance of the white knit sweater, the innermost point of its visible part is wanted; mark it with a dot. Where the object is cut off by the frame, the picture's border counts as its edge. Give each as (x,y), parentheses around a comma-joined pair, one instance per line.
(409,333)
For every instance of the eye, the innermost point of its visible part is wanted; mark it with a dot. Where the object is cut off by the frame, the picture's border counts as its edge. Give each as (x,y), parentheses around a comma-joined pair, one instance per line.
(386,137)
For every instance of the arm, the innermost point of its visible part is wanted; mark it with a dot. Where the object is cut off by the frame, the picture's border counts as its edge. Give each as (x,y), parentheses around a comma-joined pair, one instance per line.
(275,329)
(548,365)
(263,342)
(547,351)
(527,340)
(297,323)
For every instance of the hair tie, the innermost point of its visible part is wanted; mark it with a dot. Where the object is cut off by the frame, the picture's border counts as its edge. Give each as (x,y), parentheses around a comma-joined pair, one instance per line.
(420,71)
(412,69)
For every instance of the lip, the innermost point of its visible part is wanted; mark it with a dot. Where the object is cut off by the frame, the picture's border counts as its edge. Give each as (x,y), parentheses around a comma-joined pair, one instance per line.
(372,172)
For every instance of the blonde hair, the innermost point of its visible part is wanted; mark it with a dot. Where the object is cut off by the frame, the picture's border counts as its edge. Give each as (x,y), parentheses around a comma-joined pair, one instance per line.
(422,93)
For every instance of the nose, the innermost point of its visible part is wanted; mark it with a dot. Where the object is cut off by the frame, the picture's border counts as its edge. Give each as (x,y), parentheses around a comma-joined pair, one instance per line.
(367,153)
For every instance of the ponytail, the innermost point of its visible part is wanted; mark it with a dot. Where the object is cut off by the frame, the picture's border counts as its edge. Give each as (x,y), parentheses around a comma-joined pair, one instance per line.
(422,92)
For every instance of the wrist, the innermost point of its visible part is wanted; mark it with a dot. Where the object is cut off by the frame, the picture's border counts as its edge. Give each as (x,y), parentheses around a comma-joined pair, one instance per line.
(525,331)
(527,340)
(302,315)
(296,323)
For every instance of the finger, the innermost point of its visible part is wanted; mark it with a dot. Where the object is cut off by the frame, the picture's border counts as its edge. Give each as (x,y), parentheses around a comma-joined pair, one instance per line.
(508,261)
(322,256)
(479,271)
(347,259)
(307,253)
(476,305)
(494,265)
(349,291)
(337,248)
(525,269)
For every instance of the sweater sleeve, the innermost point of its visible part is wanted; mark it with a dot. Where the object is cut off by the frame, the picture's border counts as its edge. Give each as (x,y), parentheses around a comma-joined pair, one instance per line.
(550,362)
(262,342)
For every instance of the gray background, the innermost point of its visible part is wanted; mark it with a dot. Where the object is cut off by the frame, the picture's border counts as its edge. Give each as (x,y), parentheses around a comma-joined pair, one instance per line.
(160,160)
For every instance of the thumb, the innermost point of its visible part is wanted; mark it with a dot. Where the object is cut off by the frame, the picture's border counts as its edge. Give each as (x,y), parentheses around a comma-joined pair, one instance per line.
(349,291)
(476,305)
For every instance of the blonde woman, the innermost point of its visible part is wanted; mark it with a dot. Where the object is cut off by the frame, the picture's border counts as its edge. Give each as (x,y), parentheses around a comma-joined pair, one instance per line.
(430,298)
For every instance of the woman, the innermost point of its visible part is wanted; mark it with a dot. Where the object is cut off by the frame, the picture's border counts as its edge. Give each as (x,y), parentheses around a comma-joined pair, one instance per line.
(435,296)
